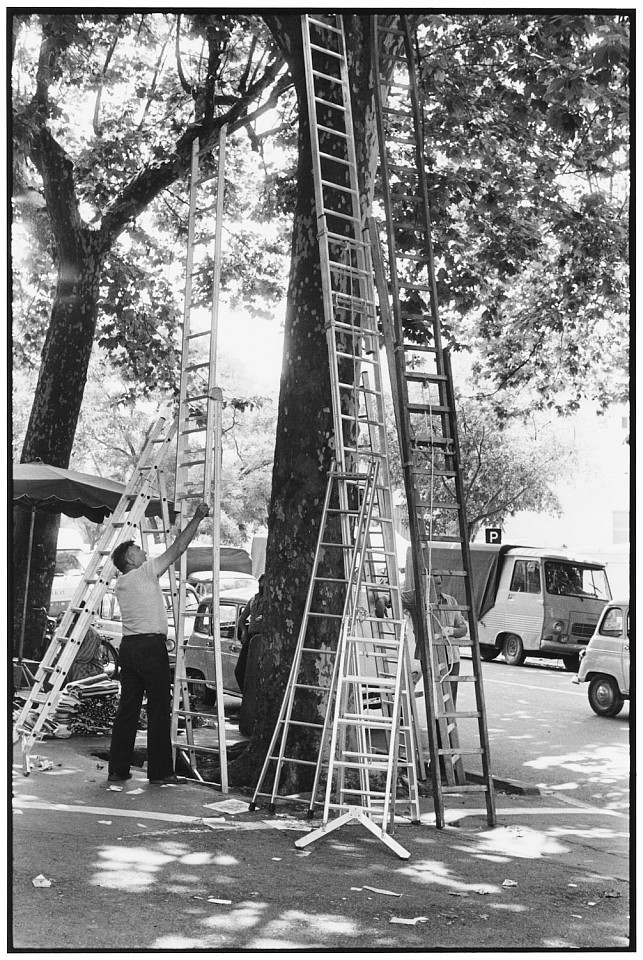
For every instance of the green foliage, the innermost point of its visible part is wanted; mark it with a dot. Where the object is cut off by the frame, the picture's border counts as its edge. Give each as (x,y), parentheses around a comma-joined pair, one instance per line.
(527,149)
(508,465)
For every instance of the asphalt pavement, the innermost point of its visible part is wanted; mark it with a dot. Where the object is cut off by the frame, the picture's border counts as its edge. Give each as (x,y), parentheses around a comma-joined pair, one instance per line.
(187,868)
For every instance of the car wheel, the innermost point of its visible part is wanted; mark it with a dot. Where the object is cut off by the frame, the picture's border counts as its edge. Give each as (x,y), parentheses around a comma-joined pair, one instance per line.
(572,663)
(513,650)
(488,653)
(605,698)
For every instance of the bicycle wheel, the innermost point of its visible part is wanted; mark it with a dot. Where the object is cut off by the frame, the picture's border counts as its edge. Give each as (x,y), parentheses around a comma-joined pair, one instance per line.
(109,659)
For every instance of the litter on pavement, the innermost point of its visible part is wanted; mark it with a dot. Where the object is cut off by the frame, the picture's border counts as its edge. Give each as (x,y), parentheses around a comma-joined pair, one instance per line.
(386,893)
(41,881)
(408,920)
(509,883)
(229,806)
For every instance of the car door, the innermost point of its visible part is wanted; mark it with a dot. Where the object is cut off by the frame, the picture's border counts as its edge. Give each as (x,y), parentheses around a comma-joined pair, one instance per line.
(625,686)
(230,646)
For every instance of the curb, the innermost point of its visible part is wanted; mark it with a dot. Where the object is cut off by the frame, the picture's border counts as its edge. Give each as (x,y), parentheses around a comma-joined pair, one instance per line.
(507,785)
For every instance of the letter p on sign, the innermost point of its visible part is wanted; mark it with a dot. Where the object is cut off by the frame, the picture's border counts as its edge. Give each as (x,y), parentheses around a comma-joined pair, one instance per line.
(493,535)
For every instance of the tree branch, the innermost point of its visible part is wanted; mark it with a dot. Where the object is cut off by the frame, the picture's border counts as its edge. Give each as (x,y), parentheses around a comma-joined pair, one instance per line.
(146,185)
(99,94)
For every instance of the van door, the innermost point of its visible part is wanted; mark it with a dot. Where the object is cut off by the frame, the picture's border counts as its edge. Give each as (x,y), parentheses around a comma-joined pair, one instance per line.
(524,602)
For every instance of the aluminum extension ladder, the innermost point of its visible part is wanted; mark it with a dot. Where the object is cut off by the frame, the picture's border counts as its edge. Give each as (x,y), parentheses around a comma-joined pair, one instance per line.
(424,404)
(199,451)
(360,440)
(147,483)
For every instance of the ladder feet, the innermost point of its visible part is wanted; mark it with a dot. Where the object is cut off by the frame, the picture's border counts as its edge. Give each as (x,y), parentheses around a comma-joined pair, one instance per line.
(252,806)
(271,808)
(310,814)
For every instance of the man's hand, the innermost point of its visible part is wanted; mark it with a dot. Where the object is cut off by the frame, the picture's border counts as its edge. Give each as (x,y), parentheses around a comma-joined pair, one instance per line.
(202,511)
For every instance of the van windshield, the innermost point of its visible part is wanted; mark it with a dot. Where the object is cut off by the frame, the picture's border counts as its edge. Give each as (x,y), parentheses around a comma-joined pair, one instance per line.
(575,580)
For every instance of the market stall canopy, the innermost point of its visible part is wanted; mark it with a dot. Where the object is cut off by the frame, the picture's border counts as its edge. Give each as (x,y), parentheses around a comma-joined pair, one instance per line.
(39,486)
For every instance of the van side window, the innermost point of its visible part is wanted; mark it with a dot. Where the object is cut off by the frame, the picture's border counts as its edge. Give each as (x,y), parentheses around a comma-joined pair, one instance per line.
(612,625)
(526,577)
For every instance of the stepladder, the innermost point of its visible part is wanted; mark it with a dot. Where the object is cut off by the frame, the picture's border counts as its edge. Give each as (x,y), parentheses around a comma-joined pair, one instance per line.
(144,495)
(425,409)
(364,737)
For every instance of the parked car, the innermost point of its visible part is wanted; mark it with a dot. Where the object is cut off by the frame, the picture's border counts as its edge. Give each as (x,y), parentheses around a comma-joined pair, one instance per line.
(228,580)
(108,621)
(67,578)
(199,656)
(605,664)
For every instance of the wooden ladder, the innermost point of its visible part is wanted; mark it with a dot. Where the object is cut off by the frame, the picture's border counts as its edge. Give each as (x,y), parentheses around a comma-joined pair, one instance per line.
(424,403)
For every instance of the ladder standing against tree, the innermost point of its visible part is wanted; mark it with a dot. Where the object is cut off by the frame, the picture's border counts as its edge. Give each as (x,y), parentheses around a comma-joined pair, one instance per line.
(198,463)
(425,410)
(147,483)
(370,570)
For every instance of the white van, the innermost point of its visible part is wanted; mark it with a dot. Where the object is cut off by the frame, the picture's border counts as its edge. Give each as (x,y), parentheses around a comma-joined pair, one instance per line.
(529,601)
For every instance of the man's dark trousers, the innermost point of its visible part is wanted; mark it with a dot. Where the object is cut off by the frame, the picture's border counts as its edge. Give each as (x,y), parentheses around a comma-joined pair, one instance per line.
(144,668)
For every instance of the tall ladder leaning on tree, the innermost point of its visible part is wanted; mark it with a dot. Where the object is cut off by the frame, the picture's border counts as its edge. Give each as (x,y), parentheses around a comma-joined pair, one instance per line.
(366,745)
(199,450)
(424,402)
(146,484)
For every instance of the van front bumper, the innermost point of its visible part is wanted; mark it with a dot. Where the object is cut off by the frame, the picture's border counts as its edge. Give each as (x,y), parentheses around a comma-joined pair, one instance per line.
(566,649)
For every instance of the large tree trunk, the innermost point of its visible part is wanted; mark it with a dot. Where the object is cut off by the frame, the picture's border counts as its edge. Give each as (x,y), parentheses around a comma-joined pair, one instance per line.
(305,436)
(52,424)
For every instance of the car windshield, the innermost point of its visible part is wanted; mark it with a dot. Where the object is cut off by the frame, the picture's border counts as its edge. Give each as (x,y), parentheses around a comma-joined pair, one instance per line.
(566,579)
(67,563)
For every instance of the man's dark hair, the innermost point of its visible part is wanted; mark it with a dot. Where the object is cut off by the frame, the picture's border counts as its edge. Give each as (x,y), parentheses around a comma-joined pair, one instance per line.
(119,554)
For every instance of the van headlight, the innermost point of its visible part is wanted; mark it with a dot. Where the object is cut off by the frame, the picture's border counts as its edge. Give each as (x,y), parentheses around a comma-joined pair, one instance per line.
(170,645)
(558,626)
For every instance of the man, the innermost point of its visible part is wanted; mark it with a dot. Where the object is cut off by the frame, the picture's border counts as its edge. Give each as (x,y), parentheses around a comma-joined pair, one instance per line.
(144,663)
(448,624)
(249,626)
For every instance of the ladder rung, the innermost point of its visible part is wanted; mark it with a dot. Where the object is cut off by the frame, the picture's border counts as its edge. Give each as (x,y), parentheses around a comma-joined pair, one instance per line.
(330,53)
(331,103)
(326,76)
(428,408)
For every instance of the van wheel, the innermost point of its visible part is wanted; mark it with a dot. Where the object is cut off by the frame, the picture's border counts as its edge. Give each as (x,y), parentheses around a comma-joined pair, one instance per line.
(572,663)
(488,653)
(513,650)
(605,698)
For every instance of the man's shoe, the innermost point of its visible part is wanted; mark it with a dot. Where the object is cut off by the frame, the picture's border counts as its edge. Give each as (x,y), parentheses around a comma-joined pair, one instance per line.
(118,777)
(172,780)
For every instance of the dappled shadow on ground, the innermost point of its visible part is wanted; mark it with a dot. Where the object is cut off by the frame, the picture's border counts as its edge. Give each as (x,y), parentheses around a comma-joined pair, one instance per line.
(245,886)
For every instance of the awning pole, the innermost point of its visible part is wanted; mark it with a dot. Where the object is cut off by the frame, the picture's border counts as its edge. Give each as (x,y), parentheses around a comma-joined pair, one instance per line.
(21,643)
